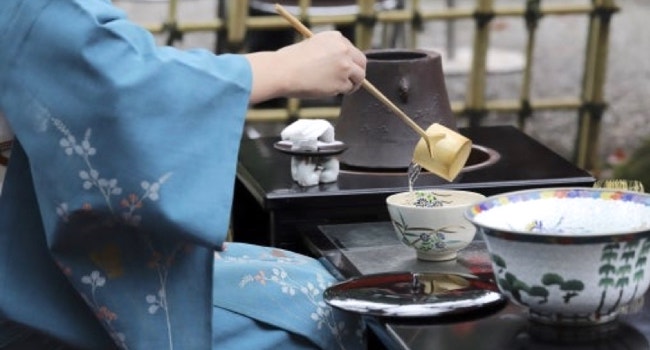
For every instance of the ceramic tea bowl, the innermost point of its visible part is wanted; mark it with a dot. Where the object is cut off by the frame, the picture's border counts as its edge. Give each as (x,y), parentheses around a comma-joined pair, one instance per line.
(571,256)
(432,221)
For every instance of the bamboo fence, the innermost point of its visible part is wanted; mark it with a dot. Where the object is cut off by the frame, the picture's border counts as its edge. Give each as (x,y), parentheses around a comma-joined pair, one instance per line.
(233,23)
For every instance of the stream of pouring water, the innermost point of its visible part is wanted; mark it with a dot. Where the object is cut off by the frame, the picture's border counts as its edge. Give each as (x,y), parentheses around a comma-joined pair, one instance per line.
(413,173)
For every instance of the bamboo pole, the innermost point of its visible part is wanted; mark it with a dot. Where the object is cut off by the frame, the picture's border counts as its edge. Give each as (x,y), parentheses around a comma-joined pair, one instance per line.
(414,13)
(475,97)
(531,27)
(237,14)
(172,12)
(388,16)
(505,11)
(304,7)
(365,24)
(589,118)
(458,107)
(171,23)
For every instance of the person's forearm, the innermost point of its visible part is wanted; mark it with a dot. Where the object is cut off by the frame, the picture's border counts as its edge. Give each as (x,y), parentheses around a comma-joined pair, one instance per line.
(324,65)
(268,79)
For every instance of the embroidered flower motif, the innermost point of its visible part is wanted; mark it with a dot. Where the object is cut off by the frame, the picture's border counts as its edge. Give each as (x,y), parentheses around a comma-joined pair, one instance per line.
(322,314)
(68,144)
(62,211)
(151,190)
(119,339)
(260,277)
(156,302)
(131,202)
(278,253)
(66,269)
(94,280)
(91,177)
(105,314)
(108,188)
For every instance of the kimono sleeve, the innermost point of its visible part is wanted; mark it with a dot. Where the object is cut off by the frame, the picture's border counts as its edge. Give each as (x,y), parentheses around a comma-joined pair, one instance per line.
(116,121)
(131,149)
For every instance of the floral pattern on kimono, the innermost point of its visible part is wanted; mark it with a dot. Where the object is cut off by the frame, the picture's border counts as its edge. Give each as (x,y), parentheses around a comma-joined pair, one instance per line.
(105,253)
(283,288)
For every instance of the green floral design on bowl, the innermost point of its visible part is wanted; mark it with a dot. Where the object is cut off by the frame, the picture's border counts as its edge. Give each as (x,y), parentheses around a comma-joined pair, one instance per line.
(426,238)
(429,199)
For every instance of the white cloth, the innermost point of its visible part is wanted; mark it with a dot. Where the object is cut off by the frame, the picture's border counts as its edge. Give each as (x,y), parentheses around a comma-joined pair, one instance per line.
(310,135)
(310,130)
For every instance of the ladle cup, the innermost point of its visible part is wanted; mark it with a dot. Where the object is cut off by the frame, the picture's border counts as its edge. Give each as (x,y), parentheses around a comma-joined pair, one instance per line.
(450,152)
(454,149)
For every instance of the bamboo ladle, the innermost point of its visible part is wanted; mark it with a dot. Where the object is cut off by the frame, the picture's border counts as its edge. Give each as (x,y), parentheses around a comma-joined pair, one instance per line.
(460,152)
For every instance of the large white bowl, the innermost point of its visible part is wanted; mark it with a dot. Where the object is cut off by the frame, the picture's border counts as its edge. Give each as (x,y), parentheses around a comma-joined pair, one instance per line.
(436,233)
(572,256)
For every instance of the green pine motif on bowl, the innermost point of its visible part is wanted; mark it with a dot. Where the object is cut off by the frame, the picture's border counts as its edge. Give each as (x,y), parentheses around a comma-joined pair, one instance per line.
(620,266)
(617,270)
(510,283)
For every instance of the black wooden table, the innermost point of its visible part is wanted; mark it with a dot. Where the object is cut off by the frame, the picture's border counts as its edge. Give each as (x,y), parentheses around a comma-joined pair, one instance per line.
(350,250)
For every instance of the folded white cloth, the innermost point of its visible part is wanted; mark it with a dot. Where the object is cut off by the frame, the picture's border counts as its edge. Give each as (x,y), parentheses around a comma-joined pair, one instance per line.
(309,129)
(310,135)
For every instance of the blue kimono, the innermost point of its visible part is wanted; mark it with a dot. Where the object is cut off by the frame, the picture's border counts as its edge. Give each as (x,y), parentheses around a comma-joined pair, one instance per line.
(118,193)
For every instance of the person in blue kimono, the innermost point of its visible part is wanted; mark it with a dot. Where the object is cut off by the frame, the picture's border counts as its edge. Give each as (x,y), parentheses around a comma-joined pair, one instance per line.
(116,201)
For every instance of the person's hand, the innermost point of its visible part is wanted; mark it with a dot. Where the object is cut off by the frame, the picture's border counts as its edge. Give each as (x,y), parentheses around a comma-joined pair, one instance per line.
(324,65)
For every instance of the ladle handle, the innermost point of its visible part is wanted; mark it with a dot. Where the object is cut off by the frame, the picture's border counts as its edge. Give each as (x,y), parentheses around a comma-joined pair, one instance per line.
(302,29)
(297,25)
(381,97)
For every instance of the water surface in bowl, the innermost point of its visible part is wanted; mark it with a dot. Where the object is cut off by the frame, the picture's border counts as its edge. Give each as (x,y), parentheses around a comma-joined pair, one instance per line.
(565,211)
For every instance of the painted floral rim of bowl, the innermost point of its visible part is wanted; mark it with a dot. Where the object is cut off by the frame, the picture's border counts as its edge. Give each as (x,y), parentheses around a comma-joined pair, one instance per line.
(432,198)
(540,215)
